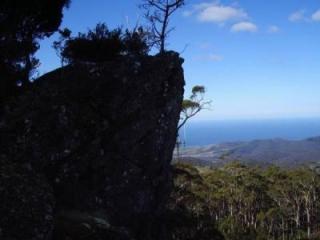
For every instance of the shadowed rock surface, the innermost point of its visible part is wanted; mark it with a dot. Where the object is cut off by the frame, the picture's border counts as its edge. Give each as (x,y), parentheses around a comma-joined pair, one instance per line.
(27,203)
(102,136)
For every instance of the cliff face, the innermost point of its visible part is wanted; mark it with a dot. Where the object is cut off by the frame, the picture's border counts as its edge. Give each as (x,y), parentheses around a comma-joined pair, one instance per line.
(100,138)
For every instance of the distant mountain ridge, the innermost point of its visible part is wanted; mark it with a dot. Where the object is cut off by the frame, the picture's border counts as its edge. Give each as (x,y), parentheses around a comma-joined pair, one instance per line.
(280,152)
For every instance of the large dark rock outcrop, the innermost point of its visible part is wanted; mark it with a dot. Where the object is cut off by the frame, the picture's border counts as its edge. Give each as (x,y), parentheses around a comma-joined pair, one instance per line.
(27,203)
(102,137)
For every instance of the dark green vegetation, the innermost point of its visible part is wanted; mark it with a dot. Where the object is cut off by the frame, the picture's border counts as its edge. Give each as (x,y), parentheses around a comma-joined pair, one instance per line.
(22,25)
(188,215)
(101,44)
(251,203)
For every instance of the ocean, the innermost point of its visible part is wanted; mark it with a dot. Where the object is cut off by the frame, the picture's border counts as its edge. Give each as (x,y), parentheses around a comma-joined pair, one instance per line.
(200,133)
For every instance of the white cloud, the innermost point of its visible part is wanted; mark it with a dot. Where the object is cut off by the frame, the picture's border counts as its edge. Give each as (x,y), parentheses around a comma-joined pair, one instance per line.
(244,27)
(301,16)
(273,29)
(316,16)
(220,14)
(297,16)
(217,13)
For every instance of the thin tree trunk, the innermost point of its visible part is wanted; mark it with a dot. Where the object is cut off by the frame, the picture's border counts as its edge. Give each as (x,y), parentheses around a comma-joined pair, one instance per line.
(163,30)
(308,222)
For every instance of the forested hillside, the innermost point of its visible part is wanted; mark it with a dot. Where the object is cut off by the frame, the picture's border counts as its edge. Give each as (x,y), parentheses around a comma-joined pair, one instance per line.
(251,203)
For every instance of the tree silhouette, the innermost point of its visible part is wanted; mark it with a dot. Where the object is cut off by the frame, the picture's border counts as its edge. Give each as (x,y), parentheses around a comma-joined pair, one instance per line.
(158,13)
(101,44)
(59,45)
(22,25)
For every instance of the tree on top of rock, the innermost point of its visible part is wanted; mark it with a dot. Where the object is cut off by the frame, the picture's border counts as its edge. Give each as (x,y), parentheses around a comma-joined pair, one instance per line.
(158,13)
(101,44)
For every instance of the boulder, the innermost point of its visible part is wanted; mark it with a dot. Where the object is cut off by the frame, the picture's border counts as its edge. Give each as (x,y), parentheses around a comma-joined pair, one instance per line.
(103,136)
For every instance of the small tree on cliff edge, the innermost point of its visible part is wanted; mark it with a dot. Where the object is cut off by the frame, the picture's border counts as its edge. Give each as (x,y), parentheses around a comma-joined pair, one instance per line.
(193,105)
(158,13)
(190,108)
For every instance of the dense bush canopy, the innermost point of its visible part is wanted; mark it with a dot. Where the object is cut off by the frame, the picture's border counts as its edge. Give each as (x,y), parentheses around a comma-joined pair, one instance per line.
(102,44)
(252,203)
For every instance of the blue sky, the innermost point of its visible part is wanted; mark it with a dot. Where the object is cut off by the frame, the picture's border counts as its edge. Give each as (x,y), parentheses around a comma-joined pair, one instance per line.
(257,58)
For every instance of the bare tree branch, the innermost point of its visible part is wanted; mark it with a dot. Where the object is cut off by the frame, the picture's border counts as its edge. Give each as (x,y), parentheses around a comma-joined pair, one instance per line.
(158,14)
